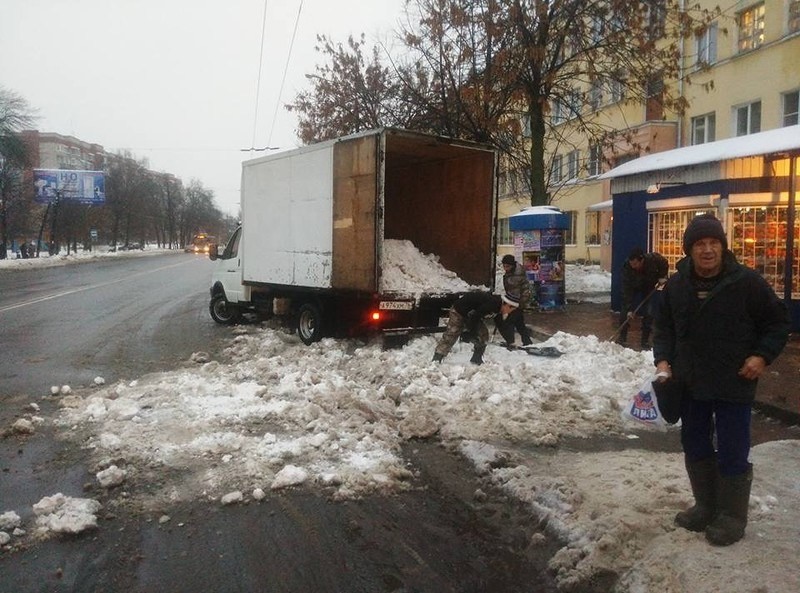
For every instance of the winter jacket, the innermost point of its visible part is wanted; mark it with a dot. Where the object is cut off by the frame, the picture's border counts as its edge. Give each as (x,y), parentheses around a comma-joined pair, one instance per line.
(706,341)
(642,281)
(515,282)
(484,303)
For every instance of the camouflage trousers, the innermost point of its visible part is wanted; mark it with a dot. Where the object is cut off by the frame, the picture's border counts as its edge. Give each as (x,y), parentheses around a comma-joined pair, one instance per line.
(456,324)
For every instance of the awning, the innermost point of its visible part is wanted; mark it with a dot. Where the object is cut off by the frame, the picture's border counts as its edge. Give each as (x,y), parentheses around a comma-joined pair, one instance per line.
(600,206)
(772,141)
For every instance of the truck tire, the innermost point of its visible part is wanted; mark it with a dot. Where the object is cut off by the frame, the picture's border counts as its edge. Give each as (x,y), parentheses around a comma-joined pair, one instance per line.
(309,323)
(222,311)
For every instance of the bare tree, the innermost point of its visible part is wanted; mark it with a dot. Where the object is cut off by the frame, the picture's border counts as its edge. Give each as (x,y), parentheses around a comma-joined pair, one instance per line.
(15,116)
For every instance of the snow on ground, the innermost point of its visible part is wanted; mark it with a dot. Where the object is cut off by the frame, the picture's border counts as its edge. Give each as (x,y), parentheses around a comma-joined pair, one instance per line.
(273,413)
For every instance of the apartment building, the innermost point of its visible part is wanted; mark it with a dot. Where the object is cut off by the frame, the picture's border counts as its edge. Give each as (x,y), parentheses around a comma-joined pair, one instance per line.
(744,73)
(56,151)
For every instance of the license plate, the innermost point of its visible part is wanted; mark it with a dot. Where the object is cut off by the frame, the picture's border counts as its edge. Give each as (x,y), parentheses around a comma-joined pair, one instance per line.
(396,305)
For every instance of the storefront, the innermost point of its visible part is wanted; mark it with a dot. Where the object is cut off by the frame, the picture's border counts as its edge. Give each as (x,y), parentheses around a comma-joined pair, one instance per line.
(750,183)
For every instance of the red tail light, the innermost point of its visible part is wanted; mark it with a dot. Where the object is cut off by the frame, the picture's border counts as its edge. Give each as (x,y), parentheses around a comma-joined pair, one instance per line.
(375,316)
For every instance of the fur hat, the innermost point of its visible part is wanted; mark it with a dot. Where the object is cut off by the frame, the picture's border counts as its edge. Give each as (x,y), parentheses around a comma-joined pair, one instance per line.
(508,259)
(510,299)
(705,226)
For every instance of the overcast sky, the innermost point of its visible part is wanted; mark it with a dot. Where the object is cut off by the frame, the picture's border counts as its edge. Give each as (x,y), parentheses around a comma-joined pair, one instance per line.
(175,81)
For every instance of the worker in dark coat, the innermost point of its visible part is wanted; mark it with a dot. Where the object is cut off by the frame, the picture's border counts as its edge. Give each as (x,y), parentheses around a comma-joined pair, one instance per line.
(718,328)
(515,283)
(468,314)
(642,275)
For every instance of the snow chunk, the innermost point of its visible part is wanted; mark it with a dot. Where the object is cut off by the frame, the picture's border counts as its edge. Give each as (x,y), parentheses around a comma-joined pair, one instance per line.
(112,476)
(291,475)
(64,514)
(232,497)
(9,520)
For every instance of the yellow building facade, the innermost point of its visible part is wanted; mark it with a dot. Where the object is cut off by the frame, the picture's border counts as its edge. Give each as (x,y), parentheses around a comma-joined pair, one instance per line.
(741,75)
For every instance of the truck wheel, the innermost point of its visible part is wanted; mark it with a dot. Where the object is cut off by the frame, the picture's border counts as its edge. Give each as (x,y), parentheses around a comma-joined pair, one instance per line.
(309,323)
(222,311)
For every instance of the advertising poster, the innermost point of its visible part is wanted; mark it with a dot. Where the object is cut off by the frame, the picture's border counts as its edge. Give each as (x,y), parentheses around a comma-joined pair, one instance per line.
(86,187)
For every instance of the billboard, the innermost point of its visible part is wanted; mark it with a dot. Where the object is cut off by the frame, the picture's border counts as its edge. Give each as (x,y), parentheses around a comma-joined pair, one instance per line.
(86,187)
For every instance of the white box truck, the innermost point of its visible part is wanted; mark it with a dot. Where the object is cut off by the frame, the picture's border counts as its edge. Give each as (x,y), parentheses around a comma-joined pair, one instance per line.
(315,221)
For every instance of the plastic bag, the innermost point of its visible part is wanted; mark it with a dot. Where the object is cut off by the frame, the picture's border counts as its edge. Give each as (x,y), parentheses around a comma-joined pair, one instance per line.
(643,407)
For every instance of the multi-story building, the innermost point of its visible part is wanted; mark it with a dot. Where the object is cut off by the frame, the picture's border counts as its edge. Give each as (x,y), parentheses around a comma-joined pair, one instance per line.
(745,78)
(55,151)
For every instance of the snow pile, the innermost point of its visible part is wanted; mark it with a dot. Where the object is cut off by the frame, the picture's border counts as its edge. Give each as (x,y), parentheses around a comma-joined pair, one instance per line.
(100,252)
(586,278)
(407,270)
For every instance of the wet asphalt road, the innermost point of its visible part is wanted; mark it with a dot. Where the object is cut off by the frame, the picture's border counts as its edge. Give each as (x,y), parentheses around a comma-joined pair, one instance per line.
(126,317)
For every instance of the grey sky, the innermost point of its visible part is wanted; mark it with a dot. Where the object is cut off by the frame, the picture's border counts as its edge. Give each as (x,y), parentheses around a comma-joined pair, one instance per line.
(174,81)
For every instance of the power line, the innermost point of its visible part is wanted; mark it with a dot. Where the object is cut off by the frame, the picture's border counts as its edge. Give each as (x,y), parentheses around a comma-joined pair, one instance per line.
(285,70)
(260,62)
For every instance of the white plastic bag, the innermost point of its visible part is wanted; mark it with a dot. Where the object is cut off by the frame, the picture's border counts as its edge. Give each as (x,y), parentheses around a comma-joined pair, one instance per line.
(642,408)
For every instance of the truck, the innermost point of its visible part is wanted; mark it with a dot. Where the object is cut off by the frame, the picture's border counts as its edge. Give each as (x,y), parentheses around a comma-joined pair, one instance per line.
(316,222)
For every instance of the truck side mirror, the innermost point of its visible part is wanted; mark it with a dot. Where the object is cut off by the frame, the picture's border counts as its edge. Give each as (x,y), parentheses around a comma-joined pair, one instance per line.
(212,252)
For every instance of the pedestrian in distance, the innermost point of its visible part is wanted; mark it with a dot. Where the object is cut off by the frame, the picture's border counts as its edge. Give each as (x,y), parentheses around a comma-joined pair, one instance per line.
(515,283)
(643,274)
(719,326)
(468,314)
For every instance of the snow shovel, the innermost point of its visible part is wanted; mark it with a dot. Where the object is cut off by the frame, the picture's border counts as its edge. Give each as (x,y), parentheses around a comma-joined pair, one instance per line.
(548,351)
(635,311)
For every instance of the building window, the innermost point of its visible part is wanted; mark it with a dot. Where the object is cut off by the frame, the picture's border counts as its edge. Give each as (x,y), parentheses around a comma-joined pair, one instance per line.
(558,114)
(555,171)
(751,28)
(704,128)
(573,158)
(706,46)
(595,155)
(790,108)
(572,231)
(592,231)
(595,95)
(748,118)
(794,16)
(526,126)
(503,232)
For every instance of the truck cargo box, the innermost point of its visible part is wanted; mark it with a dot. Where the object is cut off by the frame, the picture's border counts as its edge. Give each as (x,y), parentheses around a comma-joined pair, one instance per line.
(316,217)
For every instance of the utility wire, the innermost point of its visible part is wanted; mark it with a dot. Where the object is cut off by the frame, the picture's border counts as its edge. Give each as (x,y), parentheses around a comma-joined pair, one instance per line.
(283,80)
(258,84)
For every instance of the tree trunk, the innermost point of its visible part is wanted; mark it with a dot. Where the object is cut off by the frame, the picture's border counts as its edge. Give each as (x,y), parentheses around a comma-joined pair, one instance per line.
(539,195)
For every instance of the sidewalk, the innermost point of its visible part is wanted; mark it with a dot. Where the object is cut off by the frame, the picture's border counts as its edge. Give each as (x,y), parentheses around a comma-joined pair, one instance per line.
(778,394)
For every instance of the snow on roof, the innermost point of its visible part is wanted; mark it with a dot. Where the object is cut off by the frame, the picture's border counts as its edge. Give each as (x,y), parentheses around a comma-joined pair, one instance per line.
(778,140)
(606,205)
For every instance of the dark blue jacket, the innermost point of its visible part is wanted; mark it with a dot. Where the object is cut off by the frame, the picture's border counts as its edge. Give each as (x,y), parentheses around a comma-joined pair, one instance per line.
(707,341)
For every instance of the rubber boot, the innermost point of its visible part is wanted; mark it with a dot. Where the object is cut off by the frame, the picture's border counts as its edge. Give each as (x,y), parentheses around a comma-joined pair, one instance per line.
(437,357)
(477,354)
(733,500)
(703,478)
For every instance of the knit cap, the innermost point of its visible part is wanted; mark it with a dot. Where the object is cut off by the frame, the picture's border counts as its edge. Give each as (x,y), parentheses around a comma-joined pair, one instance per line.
(705,226)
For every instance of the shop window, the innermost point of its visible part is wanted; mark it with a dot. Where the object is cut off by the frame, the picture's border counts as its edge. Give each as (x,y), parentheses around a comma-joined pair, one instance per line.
(790,108)
(572,232)
(758,239)
(751,28)
(704,128)
(666,232)
(748,118)
(592,231)
(706,47)
(794,16)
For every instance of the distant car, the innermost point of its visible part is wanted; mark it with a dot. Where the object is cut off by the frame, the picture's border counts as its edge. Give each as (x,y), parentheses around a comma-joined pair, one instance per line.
(201,243)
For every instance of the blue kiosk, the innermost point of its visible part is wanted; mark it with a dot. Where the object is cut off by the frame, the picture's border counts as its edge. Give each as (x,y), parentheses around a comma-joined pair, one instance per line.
(538,234)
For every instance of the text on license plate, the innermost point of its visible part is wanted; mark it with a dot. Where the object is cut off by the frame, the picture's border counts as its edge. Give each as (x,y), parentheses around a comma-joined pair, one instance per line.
(396,305)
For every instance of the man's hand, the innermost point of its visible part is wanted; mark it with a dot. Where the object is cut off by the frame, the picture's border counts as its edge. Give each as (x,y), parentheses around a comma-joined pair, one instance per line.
(753,367)
(663,371)
(661,283)
(631,315)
